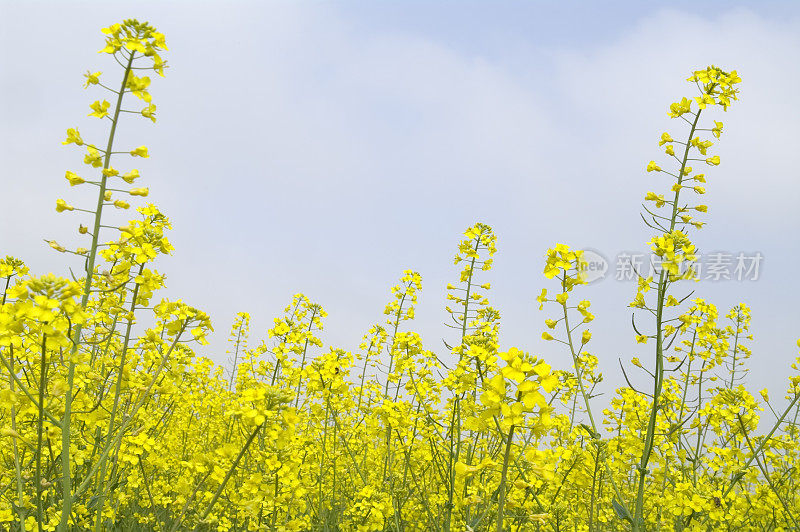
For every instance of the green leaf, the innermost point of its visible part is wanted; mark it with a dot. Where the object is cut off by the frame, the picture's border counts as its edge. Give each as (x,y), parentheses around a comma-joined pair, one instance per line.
(621,511)
(588,429)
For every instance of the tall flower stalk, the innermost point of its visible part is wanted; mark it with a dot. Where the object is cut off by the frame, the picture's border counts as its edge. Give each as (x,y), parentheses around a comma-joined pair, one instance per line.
(127,43)
(672,246)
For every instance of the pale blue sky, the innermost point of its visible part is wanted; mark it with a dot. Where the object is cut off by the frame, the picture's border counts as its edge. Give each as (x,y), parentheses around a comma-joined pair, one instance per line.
(325,147)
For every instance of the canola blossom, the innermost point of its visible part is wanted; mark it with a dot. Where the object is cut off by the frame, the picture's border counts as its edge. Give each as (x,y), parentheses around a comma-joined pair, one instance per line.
(109,420)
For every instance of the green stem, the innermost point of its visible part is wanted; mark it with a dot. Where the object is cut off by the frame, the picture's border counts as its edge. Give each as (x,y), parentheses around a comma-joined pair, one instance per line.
(117,391)
(663,281)
(50,417)
(17,468)
(766,474)
(700,429)
(228,475)
(594,488)
(738,322)
(579,376)
(5,290)
(322,459)
(364,373)
(763,442)
(121,431)
(236,355)
(66,475)
(39,430)
(303,359)
(455,431)
(501,495)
